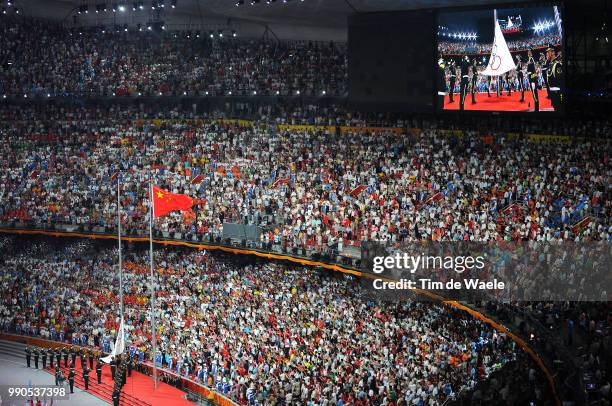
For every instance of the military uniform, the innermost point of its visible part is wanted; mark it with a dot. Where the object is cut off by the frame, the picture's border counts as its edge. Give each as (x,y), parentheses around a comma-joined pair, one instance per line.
(99,371)
(86,377)
(532,76)
(452,81)
(555,76)
(465,80)
(28,354)
(71,379)
(36,356)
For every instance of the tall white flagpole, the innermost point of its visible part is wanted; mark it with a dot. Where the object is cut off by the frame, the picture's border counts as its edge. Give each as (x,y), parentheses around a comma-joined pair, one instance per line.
(119,235)
(151,211)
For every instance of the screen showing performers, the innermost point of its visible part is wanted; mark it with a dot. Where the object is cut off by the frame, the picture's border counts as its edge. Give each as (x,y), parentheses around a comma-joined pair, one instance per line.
(504,59)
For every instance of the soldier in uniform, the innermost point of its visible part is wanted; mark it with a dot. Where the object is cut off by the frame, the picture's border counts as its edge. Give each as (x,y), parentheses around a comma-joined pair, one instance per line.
(555,76)
(113,367)
(532,76)
(544,68)
(489,80)
(99,370)
(71,379)
(116,395)
(91,359)
(452,70)
(43,354)
(130,365)
(58,374)
(509,83)
(51,357)
(86,377)
(441,83)
(73,354)
(474,80)
(36,356)
(65,353)
(520,76)
(465,80)
(28,353)
(58,355)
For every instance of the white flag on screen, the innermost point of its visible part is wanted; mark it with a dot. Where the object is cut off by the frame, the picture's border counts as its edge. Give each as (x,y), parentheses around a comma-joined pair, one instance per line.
(500,60)
(119,345)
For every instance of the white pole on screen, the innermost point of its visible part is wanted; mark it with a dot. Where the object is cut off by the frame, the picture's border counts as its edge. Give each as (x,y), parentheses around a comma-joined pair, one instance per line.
(151,214)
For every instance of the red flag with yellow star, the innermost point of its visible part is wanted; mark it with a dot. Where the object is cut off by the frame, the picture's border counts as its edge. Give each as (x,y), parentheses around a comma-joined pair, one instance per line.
(164,202)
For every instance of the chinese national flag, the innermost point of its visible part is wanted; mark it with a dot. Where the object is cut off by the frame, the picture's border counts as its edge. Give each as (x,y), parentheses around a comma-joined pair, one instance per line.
(164,202)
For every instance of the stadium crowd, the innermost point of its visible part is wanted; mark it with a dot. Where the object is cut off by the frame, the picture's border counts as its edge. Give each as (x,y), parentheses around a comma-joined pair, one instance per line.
(262,333)
(317,190)
(461,47)
(40,58)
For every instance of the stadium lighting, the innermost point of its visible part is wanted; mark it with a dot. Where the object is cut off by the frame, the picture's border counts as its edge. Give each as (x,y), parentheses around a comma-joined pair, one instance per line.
(16,10)
(239,3)
(254,93)
(141,6)
(122,8)
(163,27)
(134,7)
(277,92)
(206,93)
(4,96)
(173,4)
(298,92)
(139,94)
(184,93)
(113,93)
(220,34)
(149,28)
(230,92)
(25,96)
(323,92)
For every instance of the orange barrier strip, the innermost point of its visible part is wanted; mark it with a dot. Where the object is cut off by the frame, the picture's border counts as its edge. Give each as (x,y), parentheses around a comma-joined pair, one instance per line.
(333,267)
(267,255)
(209,394)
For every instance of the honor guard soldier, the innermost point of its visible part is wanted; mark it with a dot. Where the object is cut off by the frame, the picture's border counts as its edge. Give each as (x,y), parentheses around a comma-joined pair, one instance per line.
(532,76)
(91,359)
(520,76)
(130,365)
(83,360)
(43,356)
(474,80)
(509,83)
(465,80)
(116,394)
(99,370)
(71,379)
(113,367)
(65,353)
(28,353)
(36,356)
(59,376)
(544,69)
(73,355)
(452,70)
(51,357)
(555,76)
(86,377)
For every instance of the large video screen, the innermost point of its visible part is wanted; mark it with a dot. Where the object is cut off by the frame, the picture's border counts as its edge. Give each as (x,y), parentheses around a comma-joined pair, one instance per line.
(503,59)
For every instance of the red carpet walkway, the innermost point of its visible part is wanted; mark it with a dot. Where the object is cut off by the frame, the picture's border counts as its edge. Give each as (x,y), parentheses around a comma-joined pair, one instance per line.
(138,386)
(502,103)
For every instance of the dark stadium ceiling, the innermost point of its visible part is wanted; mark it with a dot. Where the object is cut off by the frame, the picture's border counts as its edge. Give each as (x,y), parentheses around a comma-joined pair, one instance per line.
(325,13)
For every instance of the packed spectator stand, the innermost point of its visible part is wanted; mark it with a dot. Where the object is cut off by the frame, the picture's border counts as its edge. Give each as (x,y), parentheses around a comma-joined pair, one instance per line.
(258,332)
(296,184)
(44,59)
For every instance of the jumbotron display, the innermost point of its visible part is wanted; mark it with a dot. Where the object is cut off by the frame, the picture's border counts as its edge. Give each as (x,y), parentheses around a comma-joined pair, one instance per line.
(504,59)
